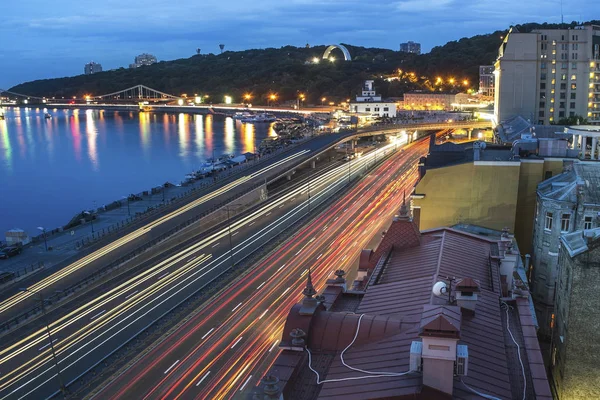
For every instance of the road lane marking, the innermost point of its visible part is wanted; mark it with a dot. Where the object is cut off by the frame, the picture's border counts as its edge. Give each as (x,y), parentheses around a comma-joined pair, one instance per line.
(320,255)
(97,315)
(325,228)
(245,383)
(304,273)
(336,218)
(252,223)
(193,258)
(237,341)
(207,333)
(274,344)
(280,268)
(131,294)
(263,314)
(299,251)
(203,378)
(46,345)
(313,239)
(163,275)
(233,234)
(236,307)
(171,367)
(267,214)
(281,206)
(215,245)
(261,285)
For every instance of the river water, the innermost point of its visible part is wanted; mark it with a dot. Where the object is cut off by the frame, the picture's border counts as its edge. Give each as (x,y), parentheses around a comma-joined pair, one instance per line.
(50,169)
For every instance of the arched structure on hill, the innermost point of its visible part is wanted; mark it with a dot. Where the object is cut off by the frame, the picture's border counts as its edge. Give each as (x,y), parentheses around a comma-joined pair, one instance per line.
(341,47)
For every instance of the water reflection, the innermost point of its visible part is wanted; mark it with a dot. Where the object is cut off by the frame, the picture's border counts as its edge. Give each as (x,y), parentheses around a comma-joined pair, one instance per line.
(229,135)
(199,134)
(6,147)
(208,128)
(248,137)
(184,133)
(73,123)
(92,135)
(145,138)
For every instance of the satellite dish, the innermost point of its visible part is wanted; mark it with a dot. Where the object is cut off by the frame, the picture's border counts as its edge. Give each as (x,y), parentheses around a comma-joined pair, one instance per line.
(440,288)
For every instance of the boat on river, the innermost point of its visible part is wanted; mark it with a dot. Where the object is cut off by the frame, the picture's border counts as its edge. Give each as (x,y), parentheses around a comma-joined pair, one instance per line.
(260,118)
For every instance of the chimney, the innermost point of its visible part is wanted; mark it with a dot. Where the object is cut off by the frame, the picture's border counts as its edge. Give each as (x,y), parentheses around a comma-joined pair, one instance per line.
(507,266)
(466,295)
(271,388)
(440,332)
(298,341)
(476,151)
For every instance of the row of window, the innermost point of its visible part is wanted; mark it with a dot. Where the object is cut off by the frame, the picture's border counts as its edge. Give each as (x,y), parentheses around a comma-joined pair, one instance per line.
(565,222)
(561,104)
(563,65)
(574,38)
(563,86)
(367,109)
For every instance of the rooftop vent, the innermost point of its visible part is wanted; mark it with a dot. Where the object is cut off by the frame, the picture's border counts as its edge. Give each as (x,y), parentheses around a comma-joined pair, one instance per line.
(466,294)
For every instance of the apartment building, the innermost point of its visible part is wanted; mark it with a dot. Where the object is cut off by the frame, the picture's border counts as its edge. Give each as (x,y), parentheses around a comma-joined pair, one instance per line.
(549,74)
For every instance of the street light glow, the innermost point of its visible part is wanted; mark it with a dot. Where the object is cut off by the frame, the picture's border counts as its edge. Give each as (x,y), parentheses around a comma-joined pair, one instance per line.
(180,102)
(316,60)
(228,100)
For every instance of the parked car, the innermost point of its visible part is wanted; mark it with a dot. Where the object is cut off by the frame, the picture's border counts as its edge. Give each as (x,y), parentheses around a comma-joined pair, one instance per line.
(10,251)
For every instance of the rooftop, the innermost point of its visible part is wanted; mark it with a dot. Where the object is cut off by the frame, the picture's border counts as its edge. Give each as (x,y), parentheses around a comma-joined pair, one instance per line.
(577,242)
(449,153)
(359,341)
(580,179)
(511,130)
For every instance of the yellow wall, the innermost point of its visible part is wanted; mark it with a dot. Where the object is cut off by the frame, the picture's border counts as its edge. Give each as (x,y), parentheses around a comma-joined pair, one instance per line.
(484,195)
(492,196)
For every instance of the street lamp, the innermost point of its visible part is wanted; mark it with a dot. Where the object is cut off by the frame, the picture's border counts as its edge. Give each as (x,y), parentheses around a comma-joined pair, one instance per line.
(128,208)
(92,216)
(63,389)
(272,98)
(323,100)
(44,232)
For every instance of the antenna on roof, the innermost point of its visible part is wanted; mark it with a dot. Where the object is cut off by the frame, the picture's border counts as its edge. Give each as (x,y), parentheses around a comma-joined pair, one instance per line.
(562,19)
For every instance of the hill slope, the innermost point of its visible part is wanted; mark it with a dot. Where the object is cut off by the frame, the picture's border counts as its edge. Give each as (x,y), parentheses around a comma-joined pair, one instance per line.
(284,71)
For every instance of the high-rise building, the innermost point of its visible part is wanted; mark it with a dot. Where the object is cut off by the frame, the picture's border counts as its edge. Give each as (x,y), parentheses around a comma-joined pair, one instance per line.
(549,74)
(92,68)
(410,47)
(143,59)
(486,80)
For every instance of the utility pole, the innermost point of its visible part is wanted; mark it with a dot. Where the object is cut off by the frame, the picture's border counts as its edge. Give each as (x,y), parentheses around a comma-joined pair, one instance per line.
(63,389)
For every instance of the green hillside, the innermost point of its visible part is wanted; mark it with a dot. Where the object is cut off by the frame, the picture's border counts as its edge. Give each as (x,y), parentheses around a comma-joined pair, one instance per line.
(284,71)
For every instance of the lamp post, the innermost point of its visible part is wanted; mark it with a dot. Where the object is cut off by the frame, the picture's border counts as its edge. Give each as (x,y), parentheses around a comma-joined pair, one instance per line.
(44,232)
(63,389)
(92,216)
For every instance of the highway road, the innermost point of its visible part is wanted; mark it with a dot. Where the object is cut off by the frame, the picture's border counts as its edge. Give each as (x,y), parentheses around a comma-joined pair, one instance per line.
(223,350)
(87,335)
(15,302)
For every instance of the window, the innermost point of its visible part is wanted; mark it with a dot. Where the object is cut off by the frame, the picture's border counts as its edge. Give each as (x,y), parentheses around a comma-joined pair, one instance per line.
(543,76)
(574,65)
(548,222)
(563,95)
(543,65)
(552,321)
(542,104)
(574,56)
(542,95)
(561,104)
(587,222)
(563,86)
(572,104)
(564,65)
(368,109)
(565,219)
(563,77)
(386,109)
(571,113)
(575,46)
(541,114)
(543,86)
(376,109)
(573,96)
(573,86)
(561,114)
(575,38)
(573,77)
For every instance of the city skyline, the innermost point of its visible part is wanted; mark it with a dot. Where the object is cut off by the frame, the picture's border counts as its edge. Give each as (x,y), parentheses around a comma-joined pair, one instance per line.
(64,35)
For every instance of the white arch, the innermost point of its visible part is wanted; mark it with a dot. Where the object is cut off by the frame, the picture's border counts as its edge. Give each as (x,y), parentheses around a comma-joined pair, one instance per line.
(343,48)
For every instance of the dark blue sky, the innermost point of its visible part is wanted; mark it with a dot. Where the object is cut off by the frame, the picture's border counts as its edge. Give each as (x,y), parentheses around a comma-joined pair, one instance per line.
(46,39)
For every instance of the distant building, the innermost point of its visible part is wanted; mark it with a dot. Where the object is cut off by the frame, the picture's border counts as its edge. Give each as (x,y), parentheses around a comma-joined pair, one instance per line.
(486,80)
(567,202)
(92,68)
(575,348)
(410,47)
(370,103)
(422,321)
(429,101)
(549,74)
(143,59)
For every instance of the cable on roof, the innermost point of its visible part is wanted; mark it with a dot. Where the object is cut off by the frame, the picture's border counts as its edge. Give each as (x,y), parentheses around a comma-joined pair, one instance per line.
(507,307)
(485,396)
(371,374)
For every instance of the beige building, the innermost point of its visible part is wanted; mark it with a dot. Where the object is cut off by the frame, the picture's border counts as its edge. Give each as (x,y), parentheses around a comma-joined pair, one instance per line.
(370,103)
(549,74)
(429,101)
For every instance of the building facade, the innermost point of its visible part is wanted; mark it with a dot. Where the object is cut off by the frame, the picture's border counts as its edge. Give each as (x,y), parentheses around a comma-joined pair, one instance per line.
(575,348)
(429,101)
(585,140)
(567,202)
(92,68)
(410,47)
(370,103)
(486,80)
(549,74)
(143,59)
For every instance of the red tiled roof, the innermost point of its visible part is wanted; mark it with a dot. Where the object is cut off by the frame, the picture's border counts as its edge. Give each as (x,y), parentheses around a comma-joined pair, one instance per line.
(402,234)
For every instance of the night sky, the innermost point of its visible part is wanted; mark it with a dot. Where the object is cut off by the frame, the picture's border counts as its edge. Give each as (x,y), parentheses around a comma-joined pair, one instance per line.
(54,38)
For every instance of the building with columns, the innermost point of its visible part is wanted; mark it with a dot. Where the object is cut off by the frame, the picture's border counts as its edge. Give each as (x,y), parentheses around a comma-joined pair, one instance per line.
(585,139)
(549,74)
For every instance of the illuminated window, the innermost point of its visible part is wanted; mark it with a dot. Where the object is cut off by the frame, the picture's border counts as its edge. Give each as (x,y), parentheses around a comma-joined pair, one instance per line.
(552,321)
(548,222)
(573,86)
(573,77)
(565,220)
